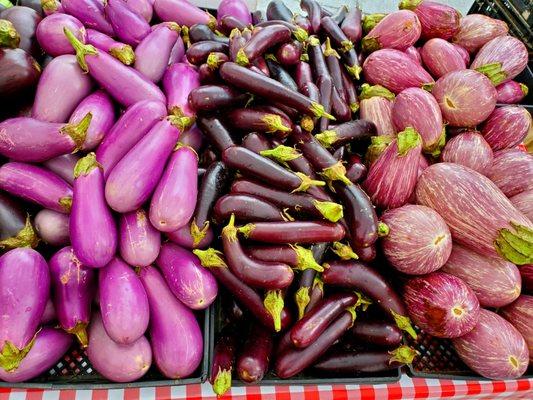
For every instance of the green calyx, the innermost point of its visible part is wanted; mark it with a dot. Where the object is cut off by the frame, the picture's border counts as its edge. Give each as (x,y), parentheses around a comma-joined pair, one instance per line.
(66,203)
(213,61)
(428,87)
(210,258)
(274,304)
(368,91)
(212,24)
(80,331)
(344,251)
(222,382)
(307,123)
(281,154)
(337,172)
(494,72)
(198,234)
(274,123)
(305,259)
(78,132)
(370,44)
(179,119)
(6,3)
(302,299)
(346,46)
(235,32)
(26,237)
(306,182)
(229,231)
(11,356)
(371,20)
(173,26)
(327,138)
(82,50)
(185,36)
(318,111)
(515,244)
(353,70)
(330,51)
(378,144)
(435,149)
(313,41)
(403,355)
(300,34)
(318,282)
(524,89)
(407,140)
(86,165)
(352,310)
(246,229)
(404,323)
(304,57)
(409,4)
(329,210)
(241,58)
(271,57)
(383,229)
(9,37)
(362,301)
(354,107)
(124,54)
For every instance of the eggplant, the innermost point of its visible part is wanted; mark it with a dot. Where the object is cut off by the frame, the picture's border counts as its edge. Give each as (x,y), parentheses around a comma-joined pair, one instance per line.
(523,202)
(371,20)
(297,257)
(223,361)
(376,104)
(202,32)
(398,30)
(277,10)
(121,51)
(351,24)
(90,13)
(139,241)
(25,20)
(129,26)
(19,74)
(254,356)
(260,42)
(260,120)
(183,238)
(469,149)
(289,54)
(234,8)
(16,229)
(178,81)
(511,92)
(356,171)
(215,97)
(519,315)
(506,166)
(50,34)
(182,12)
(526,272)
(142,7)
(437,20)
(246,208)
(506,127)
(199,52)
(381,333)
(303,232)
(63,166)
(476,29)
(357,130)
(52,227)
(441,57)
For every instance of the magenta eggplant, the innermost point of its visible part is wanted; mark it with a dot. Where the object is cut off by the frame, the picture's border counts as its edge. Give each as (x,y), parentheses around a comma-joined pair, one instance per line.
(90,13)
(139,241)
(398,30)
(438,20)
(142,7)
(507,166)
(52,227)
(50,34)
(441,57)
(235,8)
(128,26)
(376,106)
(520,315)
(49,314)
(182,12)
(469,149)
(506,127)
(524,202)
(121,51)
(475,30)
(178,82)
(63,166)
(511,92)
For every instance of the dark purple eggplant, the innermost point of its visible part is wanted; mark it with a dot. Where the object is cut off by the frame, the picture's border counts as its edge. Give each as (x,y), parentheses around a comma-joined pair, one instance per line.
(303,232)
(339,107)
(345,133)
(277,10)
(307,279)
(322,77)
(202,32)
(228,22)
(314,13)
(16,229)
(254,356)
(199,52)
(335,68)
(356,171)
(19,74)
(297,31)
(223,360)
(236,42)
(260,120)
(351,94)
(246,208)
(316,294)
(343,44)
(262,40)
(256,142)
(25,21)
(281,74)
(380,333)
(209,98)
(289,54)
(215,132)
(297,257)
(303,75)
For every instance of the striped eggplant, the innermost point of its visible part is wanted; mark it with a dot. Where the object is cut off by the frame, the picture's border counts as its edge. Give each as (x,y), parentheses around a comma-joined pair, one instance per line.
(511,92)
(50,34)
(526,272)
(476,29)
(478,214)
(414,53)
(63,166)
(463,52)
(16,229)
(520,315)
(437,20)
(512,171)
(469,149)
(139,241)
(524,202)
(506,127)
(375,105)
(90,13)
(179,80)
(52,227)
(441,57)
(398,30)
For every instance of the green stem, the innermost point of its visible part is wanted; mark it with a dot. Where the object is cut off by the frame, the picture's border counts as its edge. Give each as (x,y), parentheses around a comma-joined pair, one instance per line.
(11,356)
(300,34)
(330,51)
(302,299)
(78,132)
(9,37)
(409,4)
(305,259)
(80,331)
(124,54)
(344,251)
(274,304)
(403,354)
(307,182)
(404,323)
(329,210)
(229,231)
(524,89)
(82,50)
(336,172)
(6,3)
(241,58)
(368,91)
(370,44)
(281,154)
(274,123)
(210,258)
(198,234)
(327,138)
(86,165)
(354,70)
(246,229)
(408,140)
(319,111)
(371,20)
(26,237)
(222,382)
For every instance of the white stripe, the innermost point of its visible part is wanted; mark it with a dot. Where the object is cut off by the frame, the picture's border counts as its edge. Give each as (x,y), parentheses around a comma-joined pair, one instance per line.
(266,390)
(84,394)
(51,395)
(147,393)
(115,394)
(17,396)
(177,392)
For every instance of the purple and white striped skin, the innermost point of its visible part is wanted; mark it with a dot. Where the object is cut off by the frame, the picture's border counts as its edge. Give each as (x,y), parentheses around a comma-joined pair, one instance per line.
(511,92)
(52,227)
(131,127)
(37,185)
(395,70)
(506,127)
(117,362)
(178,81)
(441,57)
(123,302)
(478,214)
(176,355)
(520,315)
(174,198)
(469,149)
(139,241)
(463,52)
(63,166)
(191,283)
(121,51)
(236,8)
(183,238)
(25,278)
(494,348)
(524,203)
(129,27)
(441,304)
(526,272)
(50,345)
(398,30)
(182,12)
(93,232)
(501,59)
(392,177)
(142,7)
(418,109)
(61,88)
(102,110)
(512,171)
(49,314)
(438,20)
(476,29)
(375,105)
(177,53)
(495,282)
(414,53)
(73,288)
(51,6)
(193,138)
(466,98)
(50,34)
(136,175)
(153,53)
(90,13)
(419,242)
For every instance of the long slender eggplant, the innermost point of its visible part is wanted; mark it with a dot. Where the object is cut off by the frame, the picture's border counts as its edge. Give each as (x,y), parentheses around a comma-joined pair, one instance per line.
(52,227)
(314,13)
(381,333)
(177,53)
(256,142)
(25,20)
(299,33)
(259,120)
(351,94)
(335,68)
(139,242)
(200,51)
(277,10)
(246,208)
(303,75)
(302,296)
(345,133)
(129,27)
(216,132)
(254,357)
(339,107)
(215,97)
(179,80)
(223,361)
(343,44)
(302,232)
(351,25)
(281,74)
(228,22)
(267,37)
(51,37)
(121,51)
(297,257)
(183,13)
(90,13)
(202,32)
(16,229)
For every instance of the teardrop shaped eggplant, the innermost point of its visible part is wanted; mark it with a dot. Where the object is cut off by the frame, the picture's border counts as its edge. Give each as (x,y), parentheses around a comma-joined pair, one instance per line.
(139,242)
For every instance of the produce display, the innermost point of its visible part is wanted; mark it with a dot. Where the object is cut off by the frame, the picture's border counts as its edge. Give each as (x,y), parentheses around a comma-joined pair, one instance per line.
(330,182)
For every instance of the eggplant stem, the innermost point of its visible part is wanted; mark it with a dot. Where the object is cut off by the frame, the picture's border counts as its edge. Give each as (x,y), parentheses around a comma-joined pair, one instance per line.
(403,354)
(50,6)
(409,4)
(378,144)
(9,37)
(383,229)
(307,123)
(368,91)
(81,49)
(329,210)
(26,237)
(344,251)
(78,132)
(66,203)
(327,138)
(86,165)
(516,246)
(274,304)
(370,44)
(404,323)
(246,229)
(222,382)
(281,154)
(11,356)
(494,72)
(210,258)
(319,111)
(305,259)
(213,61)
(124,54)
(337,172)
(407,140)
(241,58)
(354,107)
(80,331)
(352,311)
(300,34)
(354,70)
(179,119)
(302,299)
(524,89)
(185,36)
(362,301)
(198,234)
(346,46)
(330,51)
(229,231)
(274,123)
(306,182)
(437,147)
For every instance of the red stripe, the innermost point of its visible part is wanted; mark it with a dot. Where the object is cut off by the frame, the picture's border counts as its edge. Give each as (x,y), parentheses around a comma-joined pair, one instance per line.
(367,392)
(282,393)
(5,393)
(132,393)
(498,387)
(474,387)
(420,387)
(396,392)
(253,393)
(311,393)
(339,392)
(67,394)
(100,394)
(34,394)
(193,392)
(524,384)
(447,388)
(163,393)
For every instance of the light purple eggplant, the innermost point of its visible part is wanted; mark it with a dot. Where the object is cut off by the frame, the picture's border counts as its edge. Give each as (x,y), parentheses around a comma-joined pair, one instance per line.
(375,105)
(191,283)
(50,345)
(235,8)
(153,53)
(50,34)
(182,12)
(52,227)
(129,27)
(463,52)
(396,71)
(193,138)
(495,282)
(398,30)
(25,280)
(438,20)
(511,92)
(441,57)
(121,51)
(414,53)
(49,314)
(469,149)
(32,140)
(61,88)
(37,185)
(524,203)
(123,302)
(142,7)
(476,29)
(51,6)
(63,166)
(136,175)
(90,13)
(117,362)
(520,315)
(512,171)
(176,355)
(506,127)
(179,80)
(177,53)
(126,85)
(183,238)
(174,198)
(352,24)
(139,242)
(93,232)
(73,288)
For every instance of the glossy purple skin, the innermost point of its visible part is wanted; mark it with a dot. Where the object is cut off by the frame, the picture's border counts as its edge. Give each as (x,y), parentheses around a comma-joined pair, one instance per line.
(351,26)
(495,282)
(506,127)
(139,241)
(131,127)
(51,37)
(25,21)
(511,92)
(414,53)
(37,185)
(63,166)
(142,7)
(475,30)
(236,8)
(520,315)
(509,164)
(494,348)
(378,110)
(50,345)
(441,304)
(128,26)
(123,302)
(62,86)
(49,314)
(136,175)
(395,70)
(419,242)
(438,20)
(181,12)
(93,231)
(117,362)
(101,107)
(52,227)
(176,356)
(90,13)
(153,53)
(102,41)
(524,203)
(441,57)
(179,80)
(193,138)
(466,98)
(177,53)
(469,149)
(25,276)
(398,30)
(183,238)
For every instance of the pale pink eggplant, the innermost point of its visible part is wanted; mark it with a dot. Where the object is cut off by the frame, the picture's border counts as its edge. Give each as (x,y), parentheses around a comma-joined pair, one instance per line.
(512,171)
(478,214)
(93,232)
(177,53)
(121,51)
(414,53)
(142,7)
(50,34)
(176,355)
(90,13)
(117,362)
(437,20)
(179,80)
(183,238)
(375,105)
(476,29)
(463,52)
(506,127)
(63,166)
(49,314)
(520,315)
(139,241)
(129,27)
(123,302)
(52,227)
(526,272)
(466,97)
(511,92)
(398,30)
(469,149)
(441,304)
(524,202)
(494,348)
(237,9)
(395,70)
(36,185)
(182,12)
(25,278)
(441,57)
(419,242)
